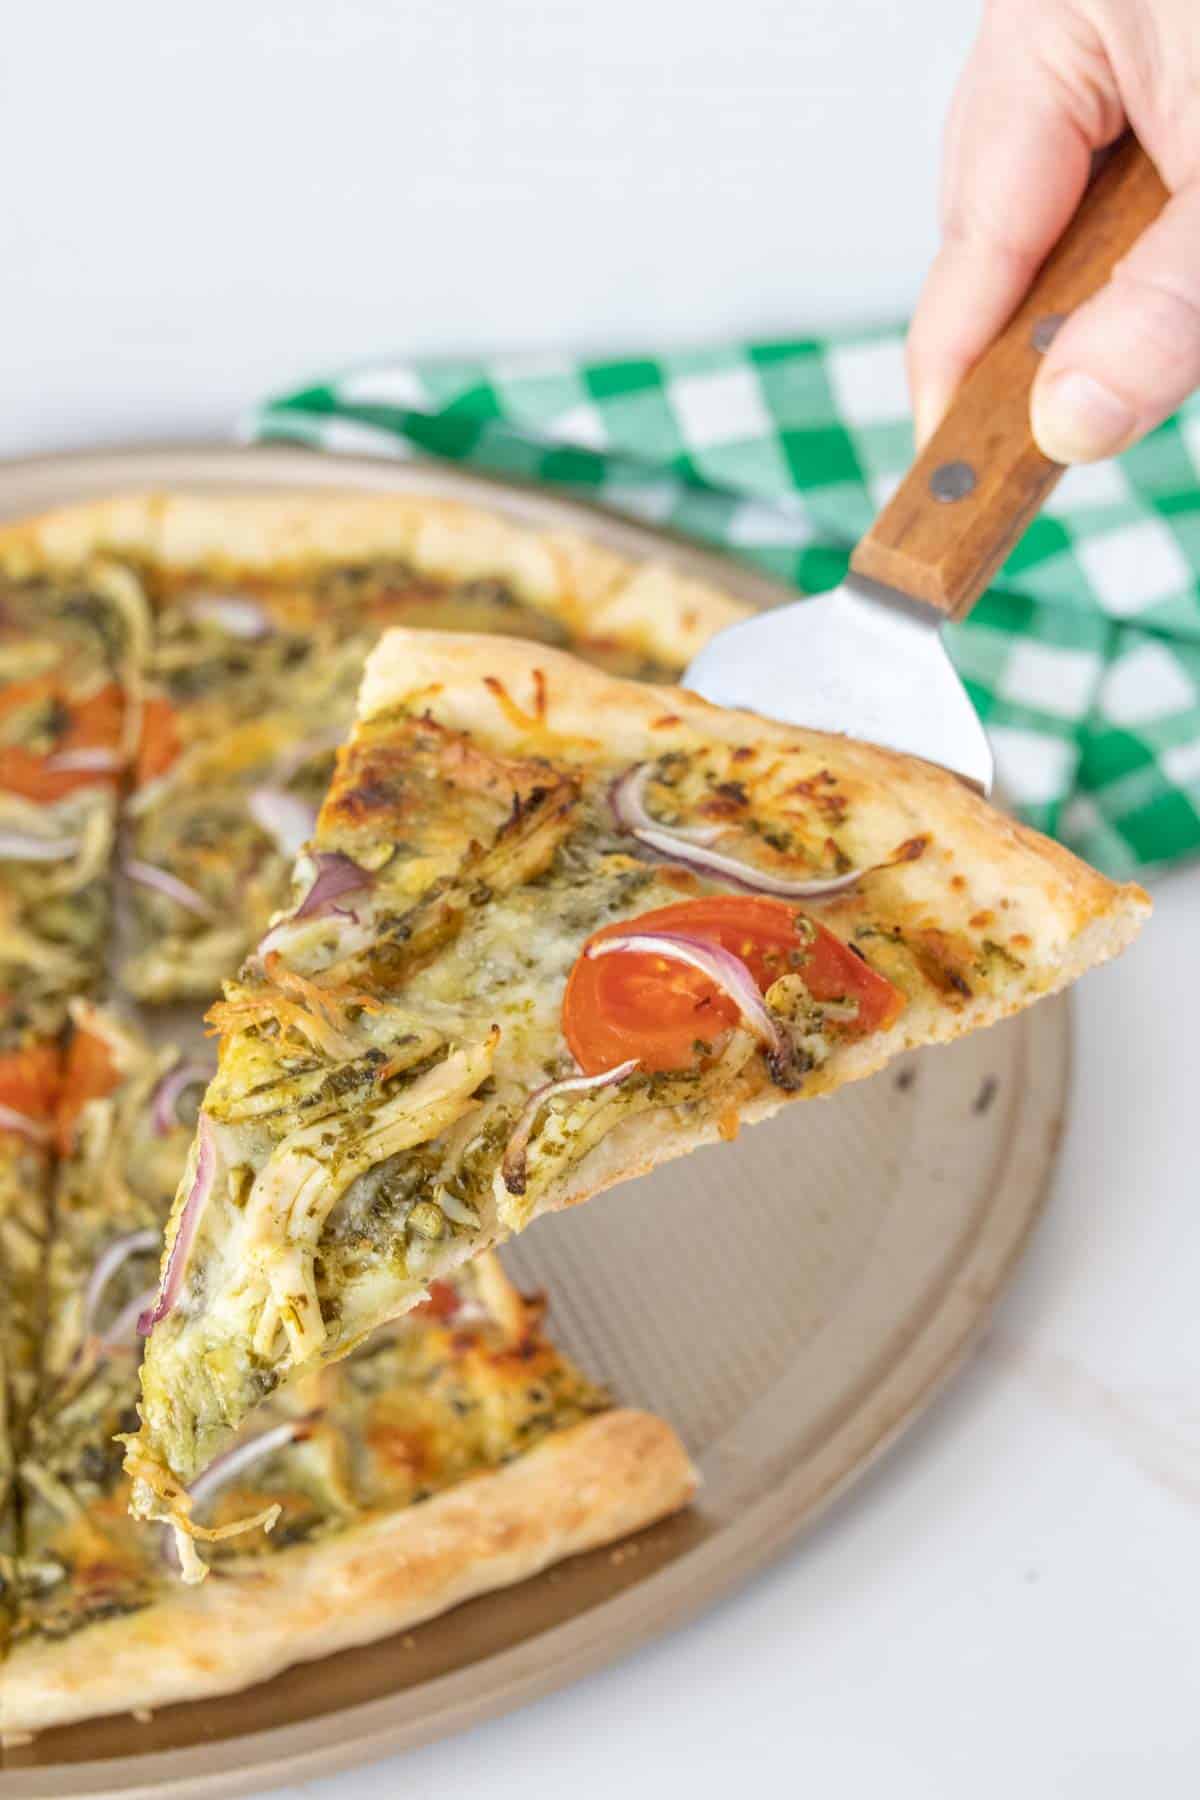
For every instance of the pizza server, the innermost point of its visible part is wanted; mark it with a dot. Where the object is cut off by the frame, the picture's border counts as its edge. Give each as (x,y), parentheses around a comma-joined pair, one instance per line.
(868,658)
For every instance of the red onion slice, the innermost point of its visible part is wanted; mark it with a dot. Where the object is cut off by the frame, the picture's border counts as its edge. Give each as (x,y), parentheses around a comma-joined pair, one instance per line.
(627,797)
(284,817)
(688,845)
(22,846)
(743,874)
(231,1463)
(111,1258)
(36,1130)
(89,759)
(336,875)
(512,1166)
(162,1101)
(225,1468)
(233,613)
(725,970)
(159,881)
(185,1231)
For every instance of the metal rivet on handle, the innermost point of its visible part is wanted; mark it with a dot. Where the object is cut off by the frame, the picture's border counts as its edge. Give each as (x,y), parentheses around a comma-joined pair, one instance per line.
(1045,331)
(952,481)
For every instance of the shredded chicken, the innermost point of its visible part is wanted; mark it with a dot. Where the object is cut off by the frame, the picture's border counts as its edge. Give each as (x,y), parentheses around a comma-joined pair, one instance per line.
(267,1006)
(294,1192)
(319,1013)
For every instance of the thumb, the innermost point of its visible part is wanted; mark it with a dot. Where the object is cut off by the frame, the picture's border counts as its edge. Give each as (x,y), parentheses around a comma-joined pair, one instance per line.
(1131,354)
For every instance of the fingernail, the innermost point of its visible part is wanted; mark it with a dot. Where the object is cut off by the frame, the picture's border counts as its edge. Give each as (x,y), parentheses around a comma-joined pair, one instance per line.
(1077,419)
(929,403)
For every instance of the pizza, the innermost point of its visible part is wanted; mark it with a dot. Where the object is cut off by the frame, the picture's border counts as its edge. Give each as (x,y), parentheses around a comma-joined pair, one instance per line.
(457,1451)
(552,928)
(175,672)
(263,612)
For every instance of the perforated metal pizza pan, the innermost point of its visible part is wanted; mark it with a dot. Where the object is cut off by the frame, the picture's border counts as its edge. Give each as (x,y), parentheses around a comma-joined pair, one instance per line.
(791,1302)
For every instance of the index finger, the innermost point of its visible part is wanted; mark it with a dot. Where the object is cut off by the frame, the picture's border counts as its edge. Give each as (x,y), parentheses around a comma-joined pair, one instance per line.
(1017,163)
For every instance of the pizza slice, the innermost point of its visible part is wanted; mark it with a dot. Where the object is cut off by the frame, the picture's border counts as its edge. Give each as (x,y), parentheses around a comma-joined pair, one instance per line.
(456,1452)
(71,649)
(68,657)
(554,928)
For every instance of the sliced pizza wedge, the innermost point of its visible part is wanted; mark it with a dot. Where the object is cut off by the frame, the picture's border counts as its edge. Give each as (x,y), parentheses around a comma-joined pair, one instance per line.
(552,929)
(69,653)
(72,648)
(457,1451)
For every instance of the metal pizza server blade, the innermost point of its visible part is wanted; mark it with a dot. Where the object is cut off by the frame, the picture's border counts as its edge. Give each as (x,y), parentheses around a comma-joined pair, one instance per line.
(864,660)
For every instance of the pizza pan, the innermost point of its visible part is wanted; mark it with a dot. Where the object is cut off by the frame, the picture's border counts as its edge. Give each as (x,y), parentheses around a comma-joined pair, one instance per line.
(791,1302)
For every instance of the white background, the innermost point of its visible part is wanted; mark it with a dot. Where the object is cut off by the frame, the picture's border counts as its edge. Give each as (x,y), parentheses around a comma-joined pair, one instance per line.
(205,202)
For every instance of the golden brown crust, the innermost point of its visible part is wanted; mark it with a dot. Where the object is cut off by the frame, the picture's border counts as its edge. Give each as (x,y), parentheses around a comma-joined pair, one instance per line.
(583,1487)
(650,608)
(70,535)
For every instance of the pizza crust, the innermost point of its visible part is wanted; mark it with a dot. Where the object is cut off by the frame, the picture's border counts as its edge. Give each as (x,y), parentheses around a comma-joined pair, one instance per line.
(651,608)
(597,1481)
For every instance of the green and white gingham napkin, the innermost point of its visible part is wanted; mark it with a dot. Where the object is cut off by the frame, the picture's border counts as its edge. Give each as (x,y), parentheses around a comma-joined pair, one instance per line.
(1084,659)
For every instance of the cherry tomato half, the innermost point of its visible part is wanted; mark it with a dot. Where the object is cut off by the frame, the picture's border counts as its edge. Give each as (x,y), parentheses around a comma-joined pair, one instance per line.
(660,1010)
(91,724)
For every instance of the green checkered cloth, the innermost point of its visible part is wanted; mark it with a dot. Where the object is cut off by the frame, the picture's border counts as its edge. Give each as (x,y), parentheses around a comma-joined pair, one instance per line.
(1084,658)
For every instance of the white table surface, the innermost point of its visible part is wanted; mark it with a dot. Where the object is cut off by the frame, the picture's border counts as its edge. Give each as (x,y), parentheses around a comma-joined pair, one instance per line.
(204,203)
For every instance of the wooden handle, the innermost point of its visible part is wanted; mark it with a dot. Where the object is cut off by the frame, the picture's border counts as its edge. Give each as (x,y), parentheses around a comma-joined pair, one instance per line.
(981,478)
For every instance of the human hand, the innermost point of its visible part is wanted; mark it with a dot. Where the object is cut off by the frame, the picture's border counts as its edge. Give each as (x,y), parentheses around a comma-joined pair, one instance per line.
(1047,83)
